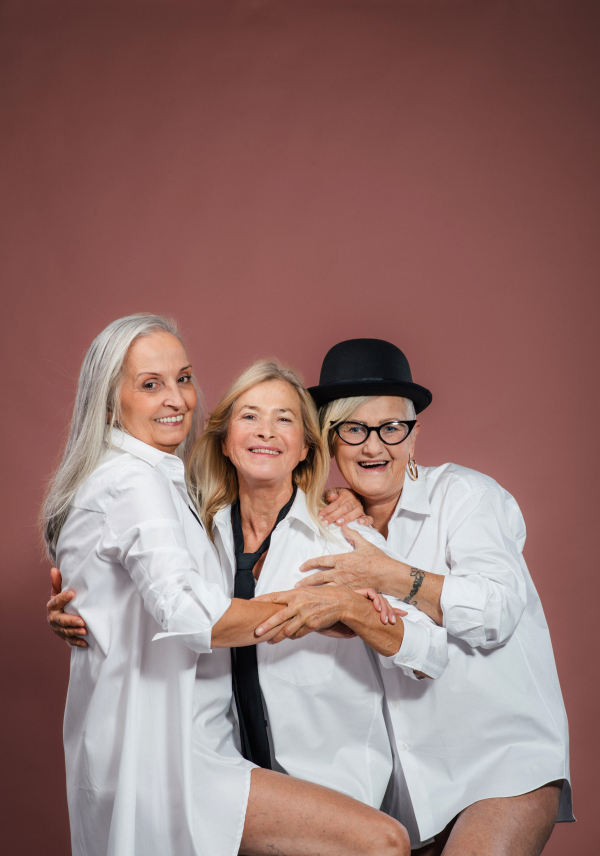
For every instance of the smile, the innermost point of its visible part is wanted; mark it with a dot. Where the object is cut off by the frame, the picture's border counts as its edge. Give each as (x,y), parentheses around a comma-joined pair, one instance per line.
(259,451)
(169,419)
(372,465)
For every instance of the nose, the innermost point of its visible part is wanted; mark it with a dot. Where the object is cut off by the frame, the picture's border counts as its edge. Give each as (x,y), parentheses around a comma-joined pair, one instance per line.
(373,446)
(264,429)
(174,397)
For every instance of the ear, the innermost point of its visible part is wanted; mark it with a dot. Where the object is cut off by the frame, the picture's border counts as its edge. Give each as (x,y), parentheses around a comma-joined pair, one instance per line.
(413,439)
(224,446)
(304,453)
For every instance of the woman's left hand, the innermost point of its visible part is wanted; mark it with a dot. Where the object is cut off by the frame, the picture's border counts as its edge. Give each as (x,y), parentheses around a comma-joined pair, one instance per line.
(344,507)
(364,567)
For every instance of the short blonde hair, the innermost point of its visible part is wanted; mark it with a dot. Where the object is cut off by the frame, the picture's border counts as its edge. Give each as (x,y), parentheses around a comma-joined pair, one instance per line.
(212,476)
(343,409)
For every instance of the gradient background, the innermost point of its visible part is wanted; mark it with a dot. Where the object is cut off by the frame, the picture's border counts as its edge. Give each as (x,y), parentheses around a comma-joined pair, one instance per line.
(280,175)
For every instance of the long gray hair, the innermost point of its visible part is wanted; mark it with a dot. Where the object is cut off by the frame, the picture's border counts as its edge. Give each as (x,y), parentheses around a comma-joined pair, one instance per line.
(95,413)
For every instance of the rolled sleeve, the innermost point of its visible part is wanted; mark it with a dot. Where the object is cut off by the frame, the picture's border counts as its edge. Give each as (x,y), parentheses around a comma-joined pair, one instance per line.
(424,646)
(143,533)
(484,595)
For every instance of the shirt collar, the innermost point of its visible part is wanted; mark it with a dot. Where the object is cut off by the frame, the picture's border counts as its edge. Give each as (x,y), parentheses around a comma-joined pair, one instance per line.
(414,496)
(152,456)
(298,511)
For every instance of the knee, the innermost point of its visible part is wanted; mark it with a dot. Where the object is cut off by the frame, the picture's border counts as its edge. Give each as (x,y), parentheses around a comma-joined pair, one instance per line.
(391,839)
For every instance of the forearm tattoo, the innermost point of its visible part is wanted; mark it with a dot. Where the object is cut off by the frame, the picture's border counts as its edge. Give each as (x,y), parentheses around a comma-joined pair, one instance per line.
(419,577)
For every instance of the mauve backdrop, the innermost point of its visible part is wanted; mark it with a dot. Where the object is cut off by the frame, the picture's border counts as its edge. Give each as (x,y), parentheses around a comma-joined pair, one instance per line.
(280,176)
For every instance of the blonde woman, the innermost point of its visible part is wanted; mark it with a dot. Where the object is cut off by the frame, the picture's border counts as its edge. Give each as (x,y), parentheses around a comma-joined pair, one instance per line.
(152,763)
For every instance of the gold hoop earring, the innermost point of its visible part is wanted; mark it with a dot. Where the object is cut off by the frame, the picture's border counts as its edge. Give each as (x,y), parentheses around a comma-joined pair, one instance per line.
(412,469)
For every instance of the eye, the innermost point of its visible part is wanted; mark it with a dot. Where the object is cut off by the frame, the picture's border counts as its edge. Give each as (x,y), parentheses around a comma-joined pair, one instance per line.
(150,384)
(185,378)
(248,416)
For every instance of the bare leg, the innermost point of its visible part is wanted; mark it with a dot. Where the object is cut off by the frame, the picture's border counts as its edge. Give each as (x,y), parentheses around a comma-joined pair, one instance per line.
(505,826)
(291,817)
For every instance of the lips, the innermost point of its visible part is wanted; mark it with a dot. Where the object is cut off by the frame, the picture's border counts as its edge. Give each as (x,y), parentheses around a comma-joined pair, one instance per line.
(263,450)
(373,465)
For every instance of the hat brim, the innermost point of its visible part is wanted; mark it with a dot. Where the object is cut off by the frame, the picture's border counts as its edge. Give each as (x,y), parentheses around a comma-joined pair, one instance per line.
(420,396)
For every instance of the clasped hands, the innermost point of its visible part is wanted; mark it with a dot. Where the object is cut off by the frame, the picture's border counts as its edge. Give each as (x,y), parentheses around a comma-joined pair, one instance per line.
(320,602)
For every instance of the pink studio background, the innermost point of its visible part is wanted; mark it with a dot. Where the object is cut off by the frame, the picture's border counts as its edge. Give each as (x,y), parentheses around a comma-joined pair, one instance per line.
(280,175)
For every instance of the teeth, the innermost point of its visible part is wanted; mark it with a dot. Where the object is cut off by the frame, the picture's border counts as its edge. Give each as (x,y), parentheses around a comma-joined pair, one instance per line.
(171,418)
(264,451)
(372,463)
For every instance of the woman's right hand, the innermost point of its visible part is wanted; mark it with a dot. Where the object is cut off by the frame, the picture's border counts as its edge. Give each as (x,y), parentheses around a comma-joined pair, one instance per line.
(68,627)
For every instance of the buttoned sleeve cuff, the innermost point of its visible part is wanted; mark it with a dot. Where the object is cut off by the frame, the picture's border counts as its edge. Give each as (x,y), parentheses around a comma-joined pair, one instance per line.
(190,620)
(424,649)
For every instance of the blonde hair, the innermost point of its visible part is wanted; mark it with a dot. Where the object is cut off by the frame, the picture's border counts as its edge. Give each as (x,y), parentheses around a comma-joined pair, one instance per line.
(342,410)
(212,476)
(95,413)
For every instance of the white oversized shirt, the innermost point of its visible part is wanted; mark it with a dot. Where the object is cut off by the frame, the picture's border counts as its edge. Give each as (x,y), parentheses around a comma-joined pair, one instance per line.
(152,766)
(323,696)
(494,724)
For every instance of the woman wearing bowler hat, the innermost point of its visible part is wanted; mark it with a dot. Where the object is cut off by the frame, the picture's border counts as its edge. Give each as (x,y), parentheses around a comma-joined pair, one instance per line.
(483,749)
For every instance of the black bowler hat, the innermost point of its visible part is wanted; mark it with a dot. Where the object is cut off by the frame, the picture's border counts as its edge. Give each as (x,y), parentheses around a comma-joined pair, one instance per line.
(367,367)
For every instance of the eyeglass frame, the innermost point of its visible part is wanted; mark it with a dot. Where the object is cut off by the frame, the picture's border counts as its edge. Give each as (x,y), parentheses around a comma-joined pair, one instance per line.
(377,428)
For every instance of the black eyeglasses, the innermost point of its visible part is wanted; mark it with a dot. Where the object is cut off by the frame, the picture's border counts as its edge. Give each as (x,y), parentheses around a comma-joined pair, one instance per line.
(390,433)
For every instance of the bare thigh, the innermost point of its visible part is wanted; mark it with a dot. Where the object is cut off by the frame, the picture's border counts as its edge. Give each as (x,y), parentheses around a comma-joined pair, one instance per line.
(504,826)
(291,817)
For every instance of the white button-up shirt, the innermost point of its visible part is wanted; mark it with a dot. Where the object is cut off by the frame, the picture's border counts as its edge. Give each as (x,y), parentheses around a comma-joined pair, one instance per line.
(152,766)
(323,696)
(494,723)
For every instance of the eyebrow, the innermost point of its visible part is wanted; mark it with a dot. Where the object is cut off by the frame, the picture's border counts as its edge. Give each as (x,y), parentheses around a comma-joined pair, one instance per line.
(279,409)
(158,373)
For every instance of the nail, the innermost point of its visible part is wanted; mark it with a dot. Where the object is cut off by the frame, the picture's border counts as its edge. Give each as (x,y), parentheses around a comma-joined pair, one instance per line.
(80,624)
(340,521)
(393,619)
(259,630)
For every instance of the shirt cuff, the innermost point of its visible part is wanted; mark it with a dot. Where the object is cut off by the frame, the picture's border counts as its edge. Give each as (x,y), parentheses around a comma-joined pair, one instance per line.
(463,605)
(184,625)
(413,651)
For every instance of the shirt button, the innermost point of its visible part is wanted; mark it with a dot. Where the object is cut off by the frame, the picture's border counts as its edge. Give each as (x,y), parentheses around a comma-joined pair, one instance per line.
(405,660)
(404,746)
(395,703)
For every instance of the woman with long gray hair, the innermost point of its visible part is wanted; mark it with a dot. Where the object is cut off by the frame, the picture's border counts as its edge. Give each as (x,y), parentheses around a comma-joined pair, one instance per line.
(151,752)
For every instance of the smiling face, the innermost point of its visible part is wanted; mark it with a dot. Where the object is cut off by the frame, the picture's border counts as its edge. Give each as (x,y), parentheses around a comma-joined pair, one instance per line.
(376,471)
(265,437)
(157,397)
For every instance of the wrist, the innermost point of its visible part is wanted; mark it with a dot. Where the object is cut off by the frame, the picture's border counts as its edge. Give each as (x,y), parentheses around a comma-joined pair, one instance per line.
(357,610)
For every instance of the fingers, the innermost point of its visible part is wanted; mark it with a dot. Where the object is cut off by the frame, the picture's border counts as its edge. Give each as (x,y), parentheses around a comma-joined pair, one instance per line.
(320,562)
(400,612)
(354,538)
(59,601)
(319,579)
(365,520)
(383,607)
(67,622)
(77,643)
(56,579)
(275,620)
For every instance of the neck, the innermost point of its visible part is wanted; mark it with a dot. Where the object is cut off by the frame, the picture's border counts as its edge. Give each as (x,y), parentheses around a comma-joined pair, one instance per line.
(381,510)
(259,507)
